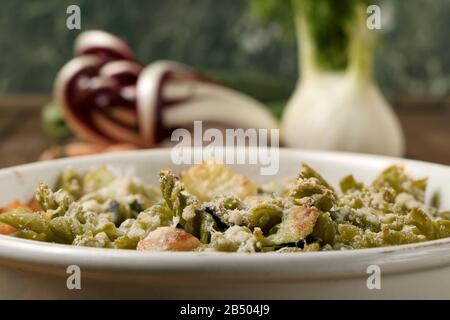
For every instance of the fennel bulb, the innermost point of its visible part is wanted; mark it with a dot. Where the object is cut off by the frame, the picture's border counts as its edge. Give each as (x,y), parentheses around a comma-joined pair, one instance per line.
(339,106)
(333,112)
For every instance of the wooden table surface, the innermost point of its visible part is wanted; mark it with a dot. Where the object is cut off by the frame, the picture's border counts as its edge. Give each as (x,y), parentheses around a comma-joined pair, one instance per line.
(425,121)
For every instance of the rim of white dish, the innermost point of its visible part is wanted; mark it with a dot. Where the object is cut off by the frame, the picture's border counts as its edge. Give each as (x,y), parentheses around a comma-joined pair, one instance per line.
(323,264)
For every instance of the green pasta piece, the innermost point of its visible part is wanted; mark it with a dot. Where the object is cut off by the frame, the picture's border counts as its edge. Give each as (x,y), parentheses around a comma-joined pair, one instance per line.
(66,228)
(262,213)
(97,179)
(168,183)
(182,204)
(311,192)
(71,182)
(228,210)
(264,216)
(442,228)
(237,239)
(125,242)
(308,172)
(31,235)
(296,226)
(54,204)
(88,239)
(23,220)
(395,177)
(207,227)
(365,218)
(348,233)
(325,228)
(423,222)
(109,229)
(349,183)
(392,237)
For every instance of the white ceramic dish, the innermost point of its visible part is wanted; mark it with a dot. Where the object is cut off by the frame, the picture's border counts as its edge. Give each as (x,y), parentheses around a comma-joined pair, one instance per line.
(31,269)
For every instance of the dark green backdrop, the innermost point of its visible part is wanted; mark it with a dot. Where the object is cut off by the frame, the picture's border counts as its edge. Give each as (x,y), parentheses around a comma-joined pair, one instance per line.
(218,37)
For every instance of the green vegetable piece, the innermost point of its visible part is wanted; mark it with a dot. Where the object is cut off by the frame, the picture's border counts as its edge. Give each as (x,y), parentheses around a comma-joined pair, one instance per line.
(279,11)
(328,26)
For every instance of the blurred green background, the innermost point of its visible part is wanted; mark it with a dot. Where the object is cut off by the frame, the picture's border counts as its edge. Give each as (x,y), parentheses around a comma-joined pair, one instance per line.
(220,38)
